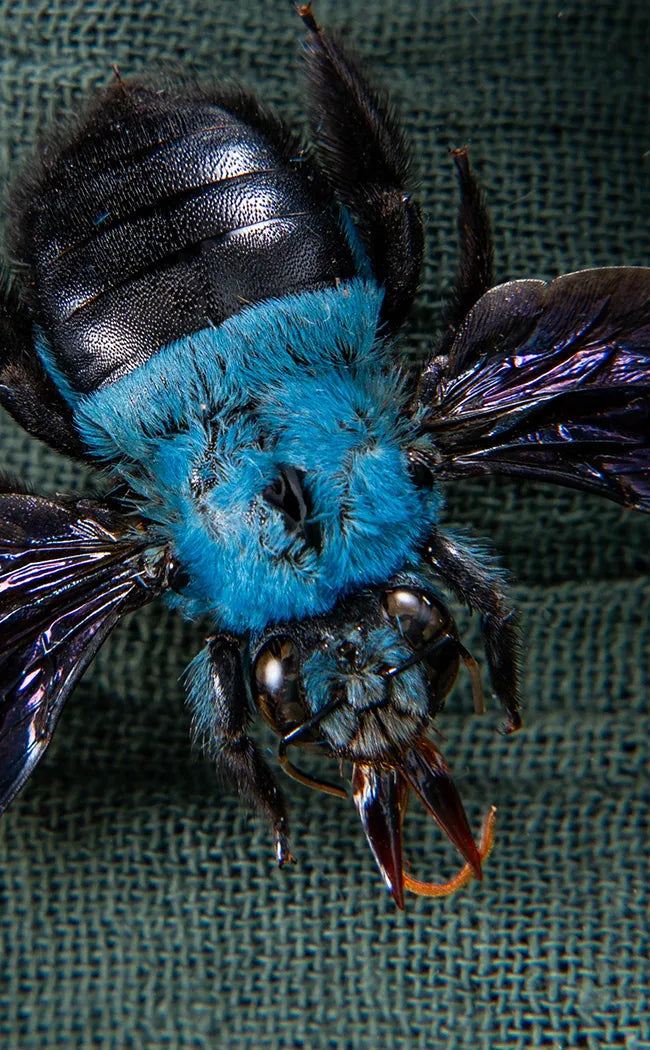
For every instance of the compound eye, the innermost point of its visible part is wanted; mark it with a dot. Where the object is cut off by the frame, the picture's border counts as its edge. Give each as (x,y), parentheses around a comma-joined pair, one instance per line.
(420,619)
(275,681)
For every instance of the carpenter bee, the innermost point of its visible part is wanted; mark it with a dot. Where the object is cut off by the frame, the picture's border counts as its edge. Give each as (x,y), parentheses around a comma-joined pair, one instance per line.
(206,311)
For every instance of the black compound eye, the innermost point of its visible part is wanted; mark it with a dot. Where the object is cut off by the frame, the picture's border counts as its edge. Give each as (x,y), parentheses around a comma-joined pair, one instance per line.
(275,685)
(419,618)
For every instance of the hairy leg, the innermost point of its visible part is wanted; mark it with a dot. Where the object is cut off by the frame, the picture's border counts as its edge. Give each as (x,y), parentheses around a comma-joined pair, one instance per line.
(469,580)
(475,272)
(219,702)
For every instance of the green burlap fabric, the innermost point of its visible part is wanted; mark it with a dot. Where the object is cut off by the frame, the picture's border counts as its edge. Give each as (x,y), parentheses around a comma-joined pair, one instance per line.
(139,904)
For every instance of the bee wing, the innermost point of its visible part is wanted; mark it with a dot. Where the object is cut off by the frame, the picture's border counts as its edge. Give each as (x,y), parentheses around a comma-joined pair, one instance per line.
(68,573)
(549,381)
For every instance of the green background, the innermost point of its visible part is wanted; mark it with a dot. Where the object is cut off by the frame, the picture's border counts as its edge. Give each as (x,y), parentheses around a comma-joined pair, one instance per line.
(139,903)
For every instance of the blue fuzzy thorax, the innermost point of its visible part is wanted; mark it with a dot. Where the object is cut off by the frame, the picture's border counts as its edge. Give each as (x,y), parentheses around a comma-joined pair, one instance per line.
(203,428)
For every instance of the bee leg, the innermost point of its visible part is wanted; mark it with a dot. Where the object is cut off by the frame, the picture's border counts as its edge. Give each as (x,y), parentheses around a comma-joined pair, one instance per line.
(219,701)
(364,154)
(26,390)
(475,272)
(468,579)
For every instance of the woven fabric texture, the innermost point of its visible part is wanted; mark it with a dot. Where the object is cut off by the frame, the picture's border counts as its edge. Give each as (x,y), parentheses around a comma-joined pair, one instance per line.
(139,903)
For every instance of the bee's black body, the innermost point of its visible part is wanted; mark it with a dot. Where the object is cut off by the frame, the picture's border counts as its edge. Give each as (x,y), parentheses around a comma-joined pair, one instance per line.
(209,309)
(166,210)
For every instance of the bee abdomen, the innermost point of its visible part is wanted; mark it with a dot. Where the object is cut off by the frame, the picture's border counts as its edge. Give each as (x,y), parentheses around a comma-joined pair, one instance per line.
(162,215)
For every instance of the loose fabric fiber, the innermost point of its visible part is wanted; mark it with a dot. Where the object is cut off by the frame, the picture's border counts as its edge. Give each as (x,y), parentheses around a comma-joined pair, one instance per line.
(139,902)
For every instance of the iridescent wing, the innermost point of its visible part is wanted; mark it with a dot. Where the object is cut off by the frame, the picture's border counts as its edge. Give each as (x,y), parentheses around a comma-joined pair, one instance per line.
(548,381)
(68,572)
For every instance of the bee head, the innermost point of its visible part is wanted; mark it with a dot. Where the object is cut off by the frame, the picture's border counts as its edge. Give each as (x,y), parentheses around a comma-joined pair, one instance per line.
(363,684)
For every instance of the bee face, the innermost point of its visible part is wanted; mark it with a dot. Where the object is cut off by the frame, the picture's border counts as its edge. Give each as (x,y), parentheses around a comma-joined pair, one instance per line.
(364,683)
(381,664)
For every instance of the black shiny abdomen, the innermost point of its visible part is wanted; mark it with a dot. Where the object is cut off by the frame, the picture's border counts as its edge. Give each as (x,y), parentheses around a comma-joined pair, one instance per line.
(164,213)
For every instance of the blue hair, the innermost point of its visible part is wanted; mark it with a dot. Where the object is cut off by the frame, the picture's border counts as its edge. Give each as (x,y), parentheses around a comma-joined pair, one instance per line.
(366,687)
(210,421)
